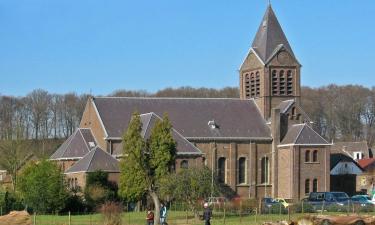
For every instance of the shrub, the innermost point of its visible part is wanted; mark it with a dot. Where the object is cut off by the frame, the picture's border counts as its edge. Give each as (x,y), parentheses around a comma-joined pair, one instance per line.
(111,212)
(307,208)
(336,208)
(275,209)
(74,203)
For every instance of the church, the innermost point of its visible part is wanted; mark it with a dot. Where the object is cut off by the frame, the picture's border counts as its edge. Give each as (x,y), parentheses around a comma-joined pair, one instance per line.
(260,145)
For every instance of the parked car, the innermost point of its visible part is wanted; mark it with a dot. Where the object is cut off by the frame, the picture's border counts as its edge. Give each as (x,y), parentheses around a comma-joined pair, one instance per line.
(282,201)
(216,201)
(320,199)
(269,202)
(362,200)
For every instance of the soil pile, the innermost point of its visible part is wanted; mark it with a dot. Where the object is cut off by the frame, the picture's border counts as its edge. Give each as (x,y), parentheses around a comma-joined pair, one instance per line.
(16,218)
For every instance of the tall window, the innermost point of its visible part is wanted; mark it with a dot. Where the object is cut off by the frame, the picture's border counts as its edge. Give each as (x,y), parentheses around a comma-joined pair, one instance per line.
(184,164)
(242,170)
(264,178)
(307,186)
(289,82)
(315,185)
(282,82)
(221,173)
(307,156)
(315,156)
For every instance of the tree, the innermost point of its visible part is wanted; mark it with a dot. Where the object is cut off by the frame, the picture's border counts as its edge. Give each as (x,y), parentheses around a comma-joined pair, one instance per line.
(98,189)
(14,154)
(42,186)
(146,164)
(190,186)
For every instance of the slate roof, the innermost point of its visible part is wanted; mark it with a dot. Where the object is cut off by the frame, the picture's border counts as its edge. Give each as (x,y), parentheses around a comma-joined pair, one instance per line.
(302,134)
(96,159)
(339,157)
(364,163)
(184,147)
(285,105)
(350,147)
(270,37)
(190,116)
(76,146)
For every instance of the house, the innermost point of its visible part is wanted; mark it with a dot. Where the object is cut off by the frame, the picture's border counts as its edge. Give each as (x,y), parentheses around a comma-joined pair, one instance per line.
(259,145)
(366,181)
(355,150)
(344,172)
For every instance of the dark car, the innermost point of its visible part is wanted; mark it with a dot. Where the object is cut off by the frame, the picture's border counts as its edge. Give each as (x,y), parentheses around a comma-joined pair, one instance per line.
(319,200)
(270,204)
(362,200)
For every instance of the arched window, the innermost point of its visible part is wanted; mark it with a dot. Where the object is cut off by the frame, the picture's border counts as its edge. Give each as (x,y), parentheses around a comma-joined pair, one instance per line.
(75,182)
(242,170)
(315,156)
(221,173)
(264,178)
(307,186)
(315,185)
(307,156)
(184,164)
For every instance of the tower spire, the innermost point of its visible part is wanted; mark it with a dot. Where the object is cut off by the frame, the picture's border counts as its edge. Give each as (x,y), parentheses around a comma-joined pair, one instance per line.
(269,36)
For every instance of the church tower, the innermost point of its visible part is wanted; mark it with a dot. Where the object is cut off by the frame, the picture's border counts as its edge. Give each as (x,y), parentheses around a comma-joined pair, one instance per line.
(270,72)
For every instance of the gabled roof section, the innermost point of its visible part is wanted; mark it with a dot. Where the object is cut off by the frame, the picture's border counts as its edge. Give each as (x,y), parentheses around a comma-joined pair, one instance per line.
(339,157)
(269,37)
(76,146)
(284,106)
(95,160)
(236,118)
(350,147)
(365,163)
(302,134)
(184,147)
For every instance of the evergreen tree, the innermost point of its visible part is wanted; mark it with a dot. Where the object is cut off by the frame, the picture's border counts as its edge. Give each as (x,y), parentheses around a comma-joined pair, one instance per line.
(146,163)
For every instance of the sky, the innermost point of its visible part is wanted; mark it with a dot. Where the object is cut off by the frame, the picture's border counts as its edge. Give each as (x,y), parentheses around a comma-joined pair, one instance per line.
(100,46)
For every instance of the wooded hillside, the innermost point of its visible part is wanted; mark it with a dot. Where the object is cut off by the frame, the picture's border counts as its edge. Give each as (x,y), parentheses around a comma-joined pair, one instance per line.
(340,113)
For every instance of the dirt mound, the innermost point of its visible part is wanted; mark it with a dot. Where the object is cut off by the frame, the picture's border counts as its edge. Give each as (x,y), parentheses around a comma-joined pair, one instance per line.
(16,218)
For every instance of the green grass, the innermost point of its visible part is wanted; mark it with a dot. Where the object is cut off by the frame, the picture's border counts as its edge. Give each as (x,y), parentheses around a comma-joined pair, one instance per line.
(174,218)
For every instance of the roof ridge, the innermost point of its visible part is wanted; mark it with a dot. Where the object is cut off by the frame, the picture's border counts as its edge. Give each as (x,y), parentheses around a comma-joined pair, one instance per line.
(84,140)
(70,139)
(317,134)
(93,154)
(299,133)
(188,98)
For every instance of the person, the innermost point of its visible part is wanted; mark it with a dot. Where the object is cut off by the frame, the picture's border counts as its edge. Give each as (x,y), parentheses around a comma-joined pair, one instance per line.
(163,214)
(207,213)
(150,217)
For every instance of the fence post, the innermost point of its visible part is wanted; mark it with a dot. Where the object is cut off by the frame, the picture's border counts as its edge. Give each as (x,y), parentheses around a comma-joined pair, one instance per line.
(69,218)
(34,220)
(302,210)
(224,212)
(288,213)
(256,214)
(241,211)
(90,218)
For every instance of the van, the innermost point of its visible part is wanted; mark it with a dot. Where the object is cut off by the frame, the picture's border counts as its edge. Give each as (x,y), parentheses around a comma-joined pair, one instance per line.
(317,199)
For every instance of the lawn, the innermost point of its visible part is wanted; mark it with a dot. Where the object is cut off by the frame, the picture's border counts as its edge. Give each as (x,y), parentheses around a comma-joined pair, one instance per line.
(174,218)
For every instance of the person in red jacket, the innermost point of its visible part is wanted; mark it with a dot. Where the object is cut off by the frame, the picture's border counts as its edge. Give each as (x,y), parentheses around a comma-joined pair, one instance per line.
(150,217)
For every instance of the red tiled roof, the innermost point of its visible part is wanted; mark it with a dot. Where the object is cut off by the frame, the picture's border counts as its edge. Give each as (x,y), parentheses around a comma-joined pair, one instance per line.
(365,162)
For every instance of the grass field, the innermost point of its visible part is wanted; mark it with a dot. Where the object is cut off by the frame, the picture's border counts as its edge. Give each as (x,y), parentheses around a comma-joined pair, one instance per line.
(174,218)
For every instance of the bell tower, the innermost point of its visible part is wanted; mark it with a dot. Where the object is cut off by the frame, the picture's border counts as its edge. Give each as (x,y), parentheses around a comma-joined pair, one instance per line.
(270,72)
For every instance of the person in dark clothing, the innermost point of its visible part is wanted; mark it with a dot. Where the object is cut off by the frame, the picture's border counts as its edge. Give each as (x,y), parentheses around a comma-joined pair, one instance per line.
(207,213)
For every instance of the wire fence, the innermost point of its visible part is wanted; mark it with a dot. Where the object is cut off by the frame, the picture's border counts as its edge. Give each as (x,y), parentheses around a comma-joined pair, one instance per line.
(227,213)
